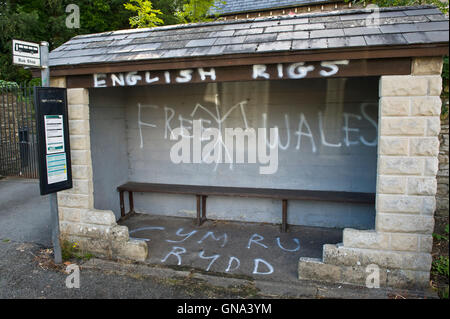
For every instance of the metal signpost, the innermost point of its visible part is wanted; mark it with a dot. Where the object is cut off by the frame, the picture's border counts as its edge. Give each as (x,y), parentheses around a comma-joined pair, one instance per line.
(52,129)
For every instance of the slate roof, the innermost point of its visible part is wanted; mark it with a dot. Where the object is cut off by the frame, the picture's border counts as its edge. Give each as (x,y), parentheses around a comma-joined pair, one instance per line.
(331,30)
(238,6)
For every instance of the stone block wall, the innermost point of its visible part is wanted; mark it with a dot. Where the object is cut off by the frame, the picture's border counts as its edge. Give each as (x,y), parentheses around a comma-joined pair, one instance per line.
(408,149)
(93,230)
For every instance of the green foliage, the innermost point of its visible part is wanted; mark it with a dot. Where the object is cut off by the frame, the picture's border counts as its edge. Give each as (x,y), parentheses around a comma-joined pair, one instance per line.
(445,69)
(45,20)
(195,11)
(445,88)
(71,250)
(102,15)
(146,17)
(442,237)
(441,266)
(35,82)
(444,293)
(169,12)
(14,22)
(8,84)
(393,3)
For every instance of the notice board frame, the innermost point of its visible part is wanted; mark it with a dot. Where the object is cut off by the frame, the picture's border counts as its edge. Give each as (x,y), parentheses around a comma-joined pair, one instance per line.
(52,101)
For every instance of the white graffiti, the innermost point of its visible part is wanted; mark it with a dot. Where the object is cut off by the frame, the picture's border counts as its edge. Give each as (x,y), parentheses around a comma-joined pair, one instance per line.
(256,271)
(211,234)
(233,263)
(256,147)
(186,236)
(176,252)
(144,228)
(296,240)
(256,239)
(219,151)
(332,66)
(140,123)
(213,258)
(230,263)
(298,70)
(220,144)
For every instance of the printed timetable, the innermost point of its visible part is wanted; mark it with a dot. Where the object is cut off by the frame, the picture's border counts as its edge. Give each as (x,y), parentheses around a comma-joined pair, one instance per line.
(54,142)
(54,133)
(56,168)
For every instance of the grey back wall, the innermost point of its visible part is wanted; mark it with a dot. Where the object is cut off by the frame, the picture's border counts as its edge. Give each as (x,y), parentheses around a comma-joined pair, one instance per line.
(130,130)
(109,150)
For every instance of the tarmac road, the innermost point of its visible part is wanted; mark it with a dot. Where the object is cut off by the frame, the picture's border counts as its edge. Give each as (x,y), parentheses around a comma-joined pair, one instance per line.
(24,274)
(24,213)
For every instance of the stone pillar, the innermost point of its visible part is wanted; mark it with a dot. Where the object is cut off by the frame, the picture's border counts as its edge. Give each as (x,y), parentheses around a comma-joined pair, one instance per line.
(93,230)
(408,150)
(58,82)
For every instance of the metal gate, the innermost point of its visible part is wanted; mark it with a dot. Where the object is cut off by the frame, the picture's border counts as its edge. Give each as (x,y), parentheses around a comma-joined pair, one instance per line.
(18,140)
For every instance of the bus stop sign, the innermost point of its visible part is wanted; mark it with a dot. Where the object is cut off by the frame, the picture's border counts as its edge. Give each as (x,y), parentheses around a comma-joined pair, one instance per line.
(55,173)
(26,53)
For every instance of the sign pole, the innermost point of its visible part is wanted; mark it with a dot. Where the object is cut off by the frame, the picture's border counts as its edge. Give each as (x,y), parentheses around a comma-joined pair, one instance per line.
(55,227)
(45,70)
(45,78)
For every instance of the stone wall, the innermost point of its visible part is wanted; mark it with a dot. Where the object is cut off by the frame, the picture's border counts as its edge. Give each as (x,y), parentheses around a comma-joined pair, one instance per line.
(408,149)
(93,230)
(442,204)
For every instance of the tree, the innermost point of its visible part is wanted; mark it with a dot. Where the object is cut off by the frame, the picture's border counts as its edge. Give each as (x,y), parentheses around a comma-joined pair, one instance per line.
(195,11)
(15,22)
(147,17)
(45,20)
(169,12)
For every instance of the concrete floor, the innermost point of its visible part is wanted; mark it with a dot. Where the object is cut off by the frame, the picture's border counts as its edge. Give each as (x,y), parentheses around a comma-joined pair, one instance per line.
(24,213)
(252,250)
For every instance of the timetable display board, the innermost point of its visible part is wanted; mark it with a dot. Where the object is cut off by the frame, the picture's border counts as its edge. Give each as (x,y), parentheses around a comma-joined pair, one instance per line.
(55,173)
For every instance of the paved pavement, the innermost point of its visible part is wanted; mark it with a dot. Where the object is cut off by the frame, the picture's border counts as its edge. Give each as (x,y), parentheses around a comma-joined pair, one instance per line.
(24,213)
(27,272)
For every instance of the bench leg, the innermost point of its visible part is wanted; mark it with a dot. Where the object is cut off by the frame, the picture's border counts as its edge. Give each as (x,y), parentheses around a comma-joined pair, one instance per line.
(122,204)
(203,209)
(199,222)
(284,217)
(130,200)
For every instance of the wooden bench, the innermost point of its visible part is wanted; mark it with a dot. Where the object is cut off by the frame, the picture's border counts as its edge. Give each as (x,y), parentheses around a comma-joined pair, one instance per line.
(202,192)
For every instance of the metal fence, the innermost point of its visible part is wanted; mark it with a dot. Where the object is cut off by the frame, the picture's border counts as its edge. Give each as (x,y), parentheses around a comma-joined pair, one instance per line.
(18,140)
